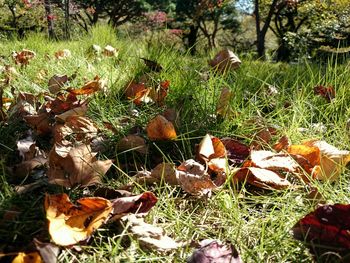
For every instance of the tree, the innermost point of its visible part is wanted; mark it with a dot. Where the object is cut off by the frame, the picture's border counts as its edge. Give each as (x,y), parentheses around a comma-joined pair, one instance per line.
(118,12)
(265,21)
(206,17)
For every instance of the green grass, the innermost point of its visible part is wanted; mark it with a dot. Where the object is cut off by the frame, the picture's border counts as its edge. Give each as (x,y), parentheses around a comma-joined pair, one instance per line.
(257,222)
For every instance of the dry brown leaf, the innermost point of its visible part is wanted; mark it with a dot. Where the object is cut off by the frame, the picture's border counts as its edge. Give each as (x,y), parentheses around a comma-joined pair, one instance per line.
(41,123)
(159,128)
(77,111)
(134,143)
(225,60)
(211,147)
(159,93)
(33,257)
(70,166)
(56,82)
(63,54)
(150,237)
(262,178)
(23,169)
(223,107)
(166,172)
(48,251)
(194,179)
(77,128)
(70,224)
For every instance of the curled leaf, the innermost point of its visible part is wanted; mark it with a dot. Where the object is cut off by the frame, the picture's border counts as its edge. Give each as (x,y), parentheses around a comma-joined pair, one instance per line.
(194,179)
(225,60)
(63,54)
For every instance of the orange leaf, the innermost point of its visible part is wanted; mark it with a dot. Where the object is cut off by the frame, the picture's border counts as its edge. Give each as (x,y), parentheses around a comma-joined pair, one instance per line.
(88,88)
(159,128)
(137,92)
(310,153)
(63,54)
(70,224)
(23,57)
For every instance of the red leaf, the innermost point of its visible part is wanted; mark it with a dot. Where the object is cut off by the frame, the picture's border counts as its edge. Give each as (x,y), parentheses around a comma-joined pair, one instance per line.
(328,226)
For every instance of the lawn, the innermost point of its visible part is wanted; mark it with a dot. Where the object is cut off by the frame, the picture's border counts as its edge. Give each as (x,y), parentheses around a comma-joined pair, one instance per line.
(256,221)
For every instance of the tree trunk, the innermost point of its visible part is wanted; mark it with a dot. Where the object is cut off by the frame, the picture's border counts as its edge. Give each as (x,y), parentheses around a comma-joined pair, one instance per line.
(261,32)
(192,39)
(49,17)
(66,16)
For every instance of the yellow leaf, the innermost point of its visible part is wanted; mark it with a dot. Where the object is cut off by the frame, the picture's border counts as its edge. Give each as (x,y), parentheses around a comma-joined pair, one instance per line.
(22,257)
(70,224)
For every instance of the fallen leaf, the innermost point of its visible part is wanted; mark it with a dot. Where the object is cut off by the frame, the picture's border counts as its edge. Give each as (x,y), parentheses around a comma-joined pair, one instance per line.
(159,93)
(70,224)
(194,179)
(56,82)
(76,111)
(166,172)
(132,142)
(261,178)
(326,92)
(63,54)
(23,57)
(23,169)
(215,251)
(211,147)
(150,237)
(110,51)
(225,60)
(141,203)
(32,257)
(41,123)
(274,161)
(70,166)
(237,152)
(282,144)
(137,92)
(326,228)
(48,251)
(332,160)
(27,148)
(75,128)
(152,65)
(223,107)
(90,87)
(159,128)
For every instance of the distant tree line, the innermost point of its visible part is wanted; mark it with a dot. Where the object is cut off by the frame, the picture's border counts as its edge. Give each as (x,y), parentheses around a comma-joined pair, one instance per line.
(301,27)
